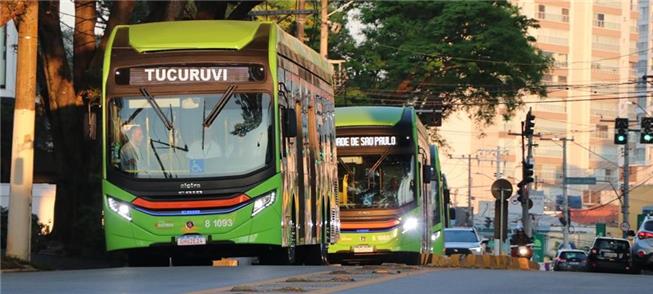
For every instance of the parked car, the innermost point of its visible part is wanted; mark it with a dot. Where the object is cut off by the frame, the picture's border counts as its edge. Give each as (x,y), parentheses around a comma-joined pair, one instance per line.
(463,241)
(642,251)
(610,254)
(570,260)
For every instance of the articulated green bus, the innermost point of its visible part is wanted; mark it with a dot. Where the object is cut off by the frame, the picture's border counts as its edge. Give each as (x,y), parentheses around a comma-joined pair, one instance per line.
(218,140)
(389,187)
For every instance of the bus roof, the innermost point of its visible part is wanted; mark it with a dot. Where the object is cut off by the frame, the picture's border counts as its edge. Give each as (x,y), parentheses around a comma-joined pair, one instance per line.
(368,116)
(200,34)
(222,34)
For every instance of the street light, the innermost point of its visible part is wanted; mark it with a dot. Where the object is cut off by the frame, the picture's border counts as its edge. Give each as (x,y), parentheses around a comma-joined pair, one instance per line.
(637,104)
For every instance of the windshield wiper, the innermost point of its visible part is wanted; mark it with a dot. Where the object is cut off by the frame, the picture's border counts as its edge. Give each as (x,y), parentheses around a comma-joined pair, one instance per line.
(157,109)
(185,148)
(208,121)
(156,154)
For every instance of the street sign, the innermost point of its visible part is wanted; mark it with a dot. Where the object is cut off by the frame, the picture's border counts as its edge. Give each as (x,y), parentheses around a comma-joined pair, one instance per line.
(581,181)
(625,226)
(501,185)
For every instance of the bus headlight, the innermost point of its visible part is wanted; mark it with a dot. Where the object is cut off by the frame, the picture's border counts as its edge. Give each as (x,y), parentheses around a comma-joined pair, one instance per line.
(435,236)
(410,224)
(262,202)
(120,208)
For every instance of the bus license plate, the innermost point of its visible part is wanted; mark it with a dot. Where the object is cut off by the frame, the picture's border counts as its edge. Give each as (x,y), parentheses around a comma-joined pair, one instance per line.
(190,240)
(363,249)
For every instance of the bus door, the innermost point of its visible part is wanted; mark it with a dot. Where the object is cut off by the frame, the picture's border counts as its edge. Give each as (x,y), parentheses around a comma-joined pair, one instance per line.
(301,175)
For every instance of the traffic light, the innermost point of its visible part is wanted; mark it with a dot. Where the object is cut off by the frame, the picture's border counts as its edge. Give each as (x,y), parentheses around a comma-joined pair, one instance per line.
(646,135)
(621,131)
(529,124)
(528,173)
(521,191)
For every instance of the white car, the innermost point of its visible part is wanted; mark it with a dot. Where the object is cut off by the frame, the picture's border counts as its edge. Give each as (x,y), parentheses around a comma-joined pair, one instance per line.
(463,241)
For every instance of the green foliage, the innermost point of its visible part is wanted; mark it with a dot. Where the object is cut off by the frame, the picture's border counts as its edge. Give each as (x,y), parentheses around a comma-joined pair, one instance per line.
(38,231)
(474,55)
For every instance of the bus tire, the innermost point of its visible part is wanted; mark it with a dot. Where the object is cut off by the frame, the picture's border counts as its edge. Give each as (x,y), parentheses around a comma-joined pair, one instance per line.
(412,258)
(280,255)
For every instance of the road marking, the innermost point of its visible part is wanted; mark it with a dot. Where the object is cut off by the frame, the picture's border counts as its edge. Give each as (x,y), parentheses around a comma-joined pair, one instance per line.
(335,280)
(376,281)
(255,284)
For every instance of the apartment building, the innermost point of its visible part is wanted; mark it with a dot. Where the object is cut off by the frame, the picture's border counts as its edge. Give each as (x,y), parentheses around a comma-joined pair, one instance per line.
(602,48)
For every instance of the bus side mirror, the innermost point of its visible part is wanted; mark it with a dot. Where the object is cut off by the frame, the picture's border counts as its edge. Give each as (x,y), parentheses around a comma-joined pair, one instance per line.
(289,123)
(427,174)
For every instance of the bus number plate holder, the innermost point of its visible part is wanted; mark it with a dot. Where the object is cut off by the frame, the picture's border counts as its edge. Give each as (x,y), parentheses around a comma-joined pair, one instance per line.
(189,240)
(363,249)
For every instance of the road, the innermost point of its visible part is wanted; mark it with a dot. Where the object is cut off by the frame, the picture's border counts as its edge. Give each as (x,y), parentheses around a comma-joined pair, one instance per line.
(504,281)
(429,280)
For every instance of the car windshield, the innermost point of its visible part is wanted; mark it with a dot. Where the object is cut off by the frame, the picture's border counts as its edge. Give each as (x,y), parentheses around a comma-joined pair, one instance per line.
(648,226)
(573,255)
(376,181)
(459,236)
(612,245)
(144,144)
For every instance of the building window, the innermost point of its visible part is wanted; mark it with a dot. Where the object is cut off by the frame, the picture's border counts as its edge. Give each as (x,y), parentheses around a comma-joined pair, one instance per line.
(602,131)
(565,15)
(541,11)
(600,20)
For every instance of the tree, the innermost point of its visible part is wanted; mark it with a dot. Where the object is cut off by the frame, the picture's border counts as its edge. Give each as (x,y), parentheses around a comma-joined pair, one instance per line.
(471,55)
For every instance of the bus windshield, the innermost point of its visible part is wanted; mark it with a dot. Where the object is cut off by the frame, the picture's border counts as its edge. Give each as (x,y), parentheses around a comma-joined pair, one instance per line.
(376,181)
(237,142)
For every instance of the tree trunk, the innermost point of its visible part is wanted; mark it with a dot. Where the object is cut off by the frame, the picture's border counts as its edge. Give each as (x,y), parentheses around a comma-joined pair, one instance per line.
(210,9)
(241,11)
(120,13)
(11,9)
(66,118)
(83,40)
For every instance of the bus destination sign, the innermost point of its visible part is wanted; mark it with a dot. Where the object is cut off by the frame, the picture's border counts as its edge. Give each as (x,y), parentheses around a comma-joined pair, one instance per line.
(366,141)
(158,75)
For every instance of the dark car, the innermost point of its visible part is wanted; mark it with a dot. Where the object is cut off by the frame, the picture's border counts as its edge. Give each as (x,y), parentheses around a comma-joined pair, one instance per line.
(570,260)
(643,245)
(609,254)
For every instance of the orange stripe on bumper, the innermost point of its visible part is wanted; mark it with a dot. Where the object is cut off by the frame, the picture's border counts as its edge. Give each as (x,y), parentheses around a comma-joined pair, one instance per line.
(140,202)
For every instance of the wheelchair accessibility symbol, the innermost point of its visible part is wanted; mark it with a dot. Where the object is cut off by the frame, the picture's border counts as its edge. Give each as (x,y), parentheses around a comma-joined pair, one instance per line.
(196,166)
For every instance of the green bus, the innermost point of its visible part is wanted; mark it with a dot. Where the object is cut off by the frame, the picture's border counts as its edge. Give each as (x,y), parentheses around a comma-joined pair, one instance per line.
(391,200)
(218,140)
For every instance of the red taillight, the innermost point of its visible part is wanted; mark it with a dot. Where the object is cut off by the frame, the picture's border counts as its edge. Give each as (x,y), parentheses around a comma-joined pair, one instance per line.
(594,251)
(641,253)
(644,235)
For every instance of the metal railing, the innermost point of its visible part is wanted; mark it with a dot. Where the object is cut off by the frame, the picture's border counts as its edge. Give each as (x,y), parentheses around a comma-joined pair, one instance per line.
(553,40)
(607,24)
(605,47)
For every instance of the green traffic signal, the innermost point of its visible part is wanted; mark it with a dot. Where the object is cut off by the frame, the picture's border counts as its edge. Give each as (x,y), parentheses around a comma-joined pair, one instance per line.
(646,139)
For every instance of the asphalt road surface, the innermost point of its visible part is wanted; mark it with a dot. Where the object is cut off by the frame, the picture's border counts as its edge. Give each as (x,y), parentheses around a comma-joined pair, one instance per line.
(188,279)
(506,281)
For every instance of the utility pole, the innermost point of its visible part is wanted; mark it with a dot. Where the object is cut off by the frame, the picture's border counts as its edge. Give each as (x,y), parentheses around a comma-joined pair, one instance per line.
(626,205)
(301,19)
(22,152)
(324,28)
(469,184)
(565,199)
(469,188)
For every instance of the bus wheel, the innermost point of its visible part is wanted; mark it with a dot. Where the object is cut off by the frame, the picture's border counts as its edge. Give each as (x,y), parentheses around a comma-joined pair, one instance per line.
(283,255)
(412,258)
